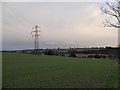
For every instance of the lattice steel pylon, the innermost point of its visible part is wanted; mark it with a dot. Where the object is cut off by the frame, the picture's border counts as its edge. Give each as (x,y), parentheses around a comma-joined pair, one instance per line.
(35,35)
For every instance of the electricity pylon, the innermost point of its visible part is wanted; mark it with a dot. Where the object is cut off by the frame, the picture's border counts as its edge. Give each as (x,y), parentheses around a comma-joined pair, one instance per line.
(35,35)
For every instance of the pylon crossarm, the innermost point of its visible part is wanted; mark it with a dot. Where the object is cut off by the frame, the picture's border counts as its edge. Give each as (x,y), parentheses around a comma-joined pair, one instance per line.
(33,28)
(33,36)
(32,32)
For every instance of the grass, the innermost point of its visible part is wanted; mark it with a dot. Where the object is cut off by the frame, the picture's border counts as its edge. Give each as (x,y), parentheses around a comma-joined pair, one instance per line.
(0,70)
(37,71)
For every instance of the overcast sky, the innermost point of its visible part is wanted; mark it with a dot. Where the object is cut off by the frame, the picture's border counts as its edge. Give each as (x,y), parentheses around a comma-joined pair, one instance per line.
(62,24)
(57,0)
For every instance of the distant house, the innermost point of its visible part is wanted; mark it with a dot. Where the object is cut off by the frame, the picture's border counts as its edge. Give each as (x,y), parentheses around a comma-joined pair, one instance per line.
(63,51)
(27,51)
(82,55)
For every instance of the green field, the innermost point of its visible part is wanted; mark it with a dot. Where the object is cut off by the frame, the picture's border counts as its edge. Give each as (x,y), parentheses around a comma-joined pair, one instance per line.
(42,71)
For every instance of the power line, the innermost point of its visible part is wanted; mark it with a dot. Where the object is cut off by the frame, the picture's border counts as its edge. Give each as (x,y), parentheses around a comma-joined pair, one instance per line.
(14,29)
(21,16)
(13,15)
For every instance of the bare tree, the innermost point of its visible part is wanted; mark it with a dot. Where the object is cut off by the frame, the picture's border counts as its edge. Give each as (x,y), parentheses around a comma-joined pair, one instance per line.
(113,11)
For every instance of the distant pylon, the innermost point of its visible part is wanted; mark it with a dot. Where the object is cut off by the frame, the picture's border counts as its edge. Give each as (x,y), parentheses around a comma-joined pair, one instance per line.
(35,35)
